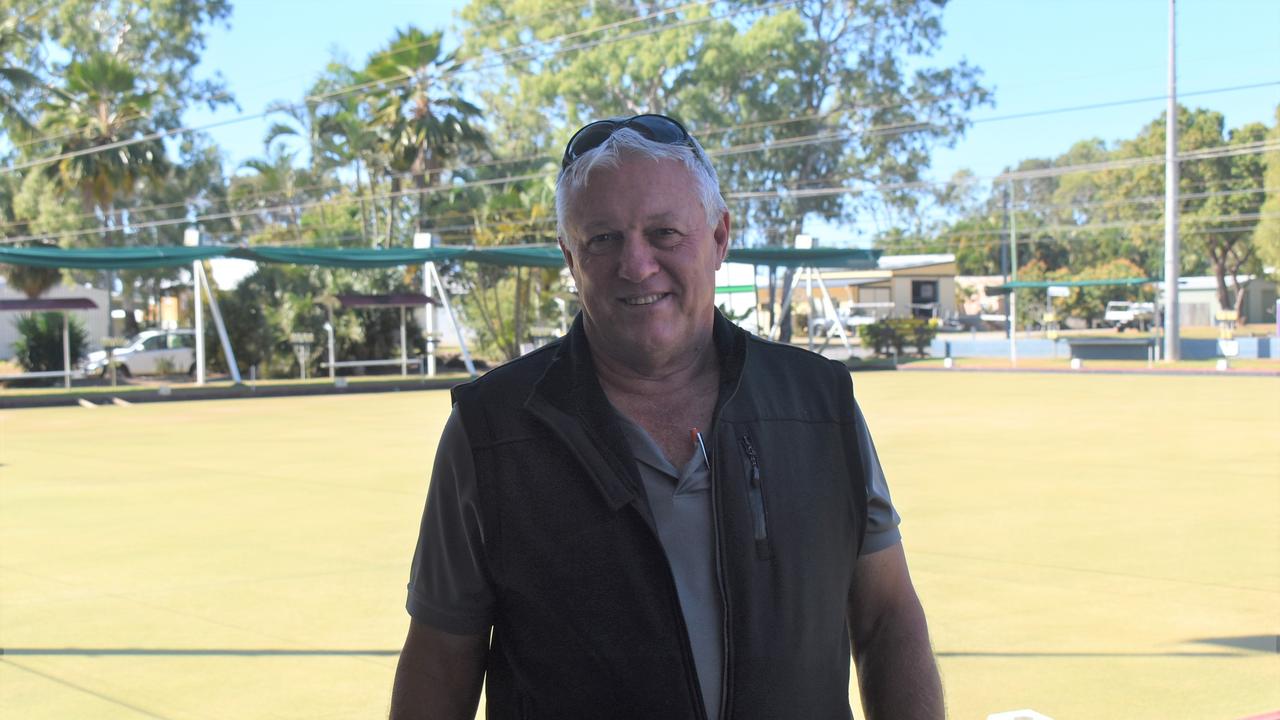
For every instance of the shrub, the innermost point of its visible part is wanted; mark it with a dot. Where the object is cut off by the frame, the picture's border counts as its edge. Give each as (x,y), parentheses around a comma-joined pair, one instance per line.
(39,344)
(898,333)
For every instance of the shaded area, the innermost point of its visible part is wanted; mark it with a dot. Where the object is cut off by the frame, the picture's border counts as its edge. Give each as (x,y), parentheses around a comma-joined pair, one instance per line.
(192,652)
(1255,643)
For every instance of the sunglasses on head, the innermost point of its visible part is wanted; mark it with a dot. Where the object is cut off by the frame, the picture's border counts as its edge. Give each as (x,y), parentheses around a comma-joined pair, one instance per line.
(658,128)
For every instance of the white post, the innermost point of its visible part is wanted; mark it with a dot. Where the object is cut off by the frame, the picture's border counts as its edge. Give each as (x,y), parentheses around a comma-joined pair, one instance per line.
(191,238)
(1013,269)
(66,352)
(835,313)
(1172,344)
(444,298)
(426,240)
(328,329)
(404,345)
(227,352)
(199,308)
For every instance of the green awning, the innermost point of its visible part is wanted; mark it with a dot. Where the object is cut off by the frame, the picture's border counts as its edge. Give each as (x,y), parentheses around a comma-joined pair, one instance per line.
(1042,284)
(122,258)
(348,257)
(845,258)
(545,256)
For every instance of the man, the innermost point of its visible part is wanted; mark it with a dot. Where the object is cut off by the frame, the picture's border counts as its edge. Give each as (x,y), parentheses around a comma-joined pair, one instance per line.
(659,515)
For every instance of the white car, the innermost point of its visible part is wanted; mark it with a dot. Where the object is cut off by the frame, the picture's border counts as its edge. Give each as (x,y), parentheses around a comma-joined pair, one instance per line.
(152,352)
(1124,314)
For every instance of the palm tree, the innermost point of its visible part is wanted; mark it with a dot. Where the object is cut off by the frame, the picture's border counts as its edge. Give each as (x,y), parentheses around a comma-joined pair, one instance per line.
(99,104)
(17,78)
(423,119)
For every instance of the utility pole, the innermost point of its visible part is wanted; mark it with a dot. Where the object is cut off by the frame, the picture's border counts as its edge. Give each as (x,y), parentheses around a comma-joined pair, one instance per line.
(1172,344)
(1013,270)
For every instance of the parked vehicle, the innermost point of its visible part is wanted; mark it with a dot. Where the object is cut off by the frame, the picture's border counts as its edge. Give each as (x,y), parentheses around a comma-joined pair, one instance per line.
(1124,314)
(151,352)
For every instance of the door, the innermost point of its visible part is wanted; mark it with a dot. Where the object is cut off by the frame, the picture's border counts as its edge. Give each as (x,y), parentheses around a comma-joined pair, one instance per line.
(924,298)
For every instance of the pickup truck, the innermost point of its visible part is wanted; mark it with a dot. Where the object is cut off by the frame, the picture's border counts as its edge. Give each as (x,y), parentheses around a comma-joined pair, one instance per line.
(1124,314)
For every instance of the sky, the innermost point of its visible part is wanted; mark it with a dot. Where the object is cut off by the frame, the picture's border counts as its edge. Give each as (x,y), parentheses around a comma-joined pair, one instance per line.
(1037,55)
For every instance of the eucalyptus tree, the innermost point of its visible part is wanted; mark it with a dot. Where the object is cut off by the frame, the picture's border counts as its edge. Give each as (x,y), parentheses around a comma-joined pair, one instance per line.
(813,109)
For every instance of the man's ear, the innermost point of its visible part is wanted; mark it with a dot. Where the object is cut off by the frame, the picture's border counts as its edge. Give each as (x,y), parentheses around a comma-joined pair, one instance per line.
(721,235)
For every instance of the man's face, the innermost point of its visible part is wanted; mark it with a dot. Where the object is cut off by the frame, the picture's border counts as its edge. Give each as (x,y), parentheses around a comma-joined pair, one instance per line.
(644,260)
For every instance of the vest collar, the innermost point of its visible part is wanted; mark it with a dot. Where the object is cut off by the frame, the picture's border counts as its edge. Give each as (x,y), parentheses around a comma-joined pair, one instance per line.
(569,398)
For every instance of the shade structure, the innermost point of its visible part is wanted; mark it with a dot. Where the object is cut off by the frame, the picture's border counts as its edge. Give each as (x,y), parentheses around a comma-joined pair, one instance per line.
(118,258)
(39,304)
(846,258)
(394,300)
(544,255)
(1008,287)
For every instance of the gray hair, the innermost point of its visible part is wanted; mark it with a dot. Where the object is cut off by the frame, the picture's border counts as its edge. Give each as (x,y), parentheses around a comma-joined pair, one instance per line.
(629,143)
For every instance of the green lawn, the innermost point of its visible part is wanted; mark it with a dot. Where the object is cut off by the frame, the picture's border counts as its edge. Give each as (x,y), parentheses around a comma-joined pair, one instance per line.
(1087,546)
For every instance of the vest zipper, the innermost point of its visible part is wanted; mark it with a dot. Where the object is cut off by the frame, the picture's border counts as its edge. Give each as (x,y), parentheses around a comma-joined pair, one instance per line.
(755,495)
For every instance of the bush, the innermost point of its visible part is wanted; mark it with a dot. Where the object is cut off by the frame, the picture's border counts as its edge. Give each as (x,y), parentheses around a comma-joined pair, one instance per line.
(39,344)
(898,333)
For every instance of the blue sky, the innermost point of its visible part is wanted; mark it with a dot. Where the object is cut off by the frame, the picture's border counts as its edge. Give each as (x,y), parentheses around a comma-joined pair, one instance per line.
(1037,55)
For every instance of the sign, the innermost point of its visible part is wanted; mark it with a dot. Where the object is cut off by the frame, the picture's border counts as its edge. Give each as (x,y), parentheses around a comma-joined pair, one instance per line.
(1059,291)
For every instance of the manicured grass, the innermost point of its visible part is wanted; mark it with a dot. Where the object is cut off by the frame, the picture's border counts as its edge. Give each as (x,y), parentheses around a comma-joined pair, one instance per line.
(1087,546)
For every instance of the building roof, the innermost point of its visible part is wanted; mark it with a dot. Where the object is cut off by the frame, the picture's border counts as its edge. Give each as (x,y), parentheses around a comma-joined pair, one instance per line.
(902,262)
(48,304)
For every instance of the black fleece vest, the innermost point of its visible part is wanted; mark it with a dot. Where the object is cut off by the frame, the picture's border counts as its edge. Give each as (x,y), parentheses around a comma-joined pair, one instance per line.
(588,620)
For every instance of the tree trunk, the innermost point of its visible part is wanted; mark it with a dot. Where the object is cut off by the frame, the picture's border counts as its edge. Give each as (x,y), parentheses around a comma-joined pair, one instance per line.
(392,201)
(364,213)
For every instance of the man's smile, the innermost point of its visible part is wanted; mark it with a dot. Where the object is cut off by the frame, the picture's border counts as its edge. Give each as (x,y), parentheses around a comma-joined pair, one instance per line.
(644,299)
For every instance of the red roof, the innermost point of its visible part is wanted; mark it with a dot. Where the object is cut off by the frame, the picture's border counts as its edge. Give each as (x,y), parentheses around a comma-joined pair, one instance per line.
(48,304)
(396,300)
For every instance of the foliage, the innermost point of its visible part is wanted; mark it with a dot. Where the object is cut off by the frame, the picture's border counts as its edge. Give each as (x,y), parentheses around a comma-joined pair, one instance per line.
(504,303)
(898,333)
(276,301)
(39,344)
(1267,235)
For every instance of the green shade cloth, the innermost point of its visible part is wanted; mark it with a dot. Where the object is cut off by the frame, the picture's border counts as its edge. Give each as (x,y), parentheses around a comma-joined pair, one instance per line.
(1006,288)
(123,258)
(544,256)
(349,257)
(846,258)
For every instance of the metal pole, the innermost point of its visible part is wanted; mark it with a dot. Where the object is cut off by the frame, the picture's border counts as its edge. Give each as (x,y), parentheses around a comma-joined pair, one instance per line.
(444,298)
(195,285)
(328,329)
(1013,270)
(1172,344)
(830,306)
(66,353)
(813,306)
(404,345)
(430,313)
(227,352)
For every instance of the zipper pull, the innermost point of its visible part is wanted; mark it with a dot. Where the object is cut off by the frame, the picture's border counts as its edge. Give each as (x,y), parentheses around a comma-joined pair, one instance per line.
(755,462)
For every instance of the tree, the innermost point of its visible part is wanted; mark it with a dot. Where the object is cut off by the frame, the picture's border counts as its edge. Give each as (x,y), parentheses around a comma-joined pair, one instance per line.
(788,103)
(1267,235)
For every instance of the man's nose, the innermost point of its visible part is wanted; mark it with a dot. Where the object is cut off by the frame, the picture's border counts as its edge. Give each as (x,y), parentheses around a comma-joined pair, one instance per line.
(637,262)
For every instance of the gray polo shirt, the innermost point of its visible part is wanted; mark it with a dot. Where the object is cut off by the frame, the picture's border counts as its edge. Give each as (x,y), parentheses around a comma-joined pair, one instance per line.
(447,581)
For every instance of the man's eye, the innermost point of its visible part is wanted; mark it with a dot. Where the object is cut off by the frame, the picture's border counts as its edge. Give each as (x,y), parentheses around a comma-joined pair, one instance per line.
(602,243)
(666,237)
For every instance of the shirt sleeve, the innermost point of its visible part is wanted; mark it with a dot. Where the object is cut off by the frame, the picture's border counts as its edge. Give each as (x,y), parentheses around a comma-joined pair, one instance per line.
(449,587)
(882,518)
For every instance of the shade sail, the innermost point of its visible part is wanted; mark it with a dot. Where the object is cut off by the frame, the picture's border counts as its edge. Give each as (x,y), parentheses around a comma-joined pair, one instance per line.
(121,258)
(349,257)
(546,256)
(1029,284)
(847,258)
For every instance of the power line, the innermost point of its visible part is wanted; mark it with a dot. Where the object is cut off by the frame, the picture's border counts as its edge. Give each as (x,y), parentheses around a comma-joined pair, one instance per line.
(388,83)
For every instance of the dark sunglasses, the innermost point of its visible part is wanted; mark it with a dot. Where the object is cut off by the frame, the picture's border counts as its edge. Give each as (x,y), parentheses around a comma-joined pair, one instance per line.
(658,128)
